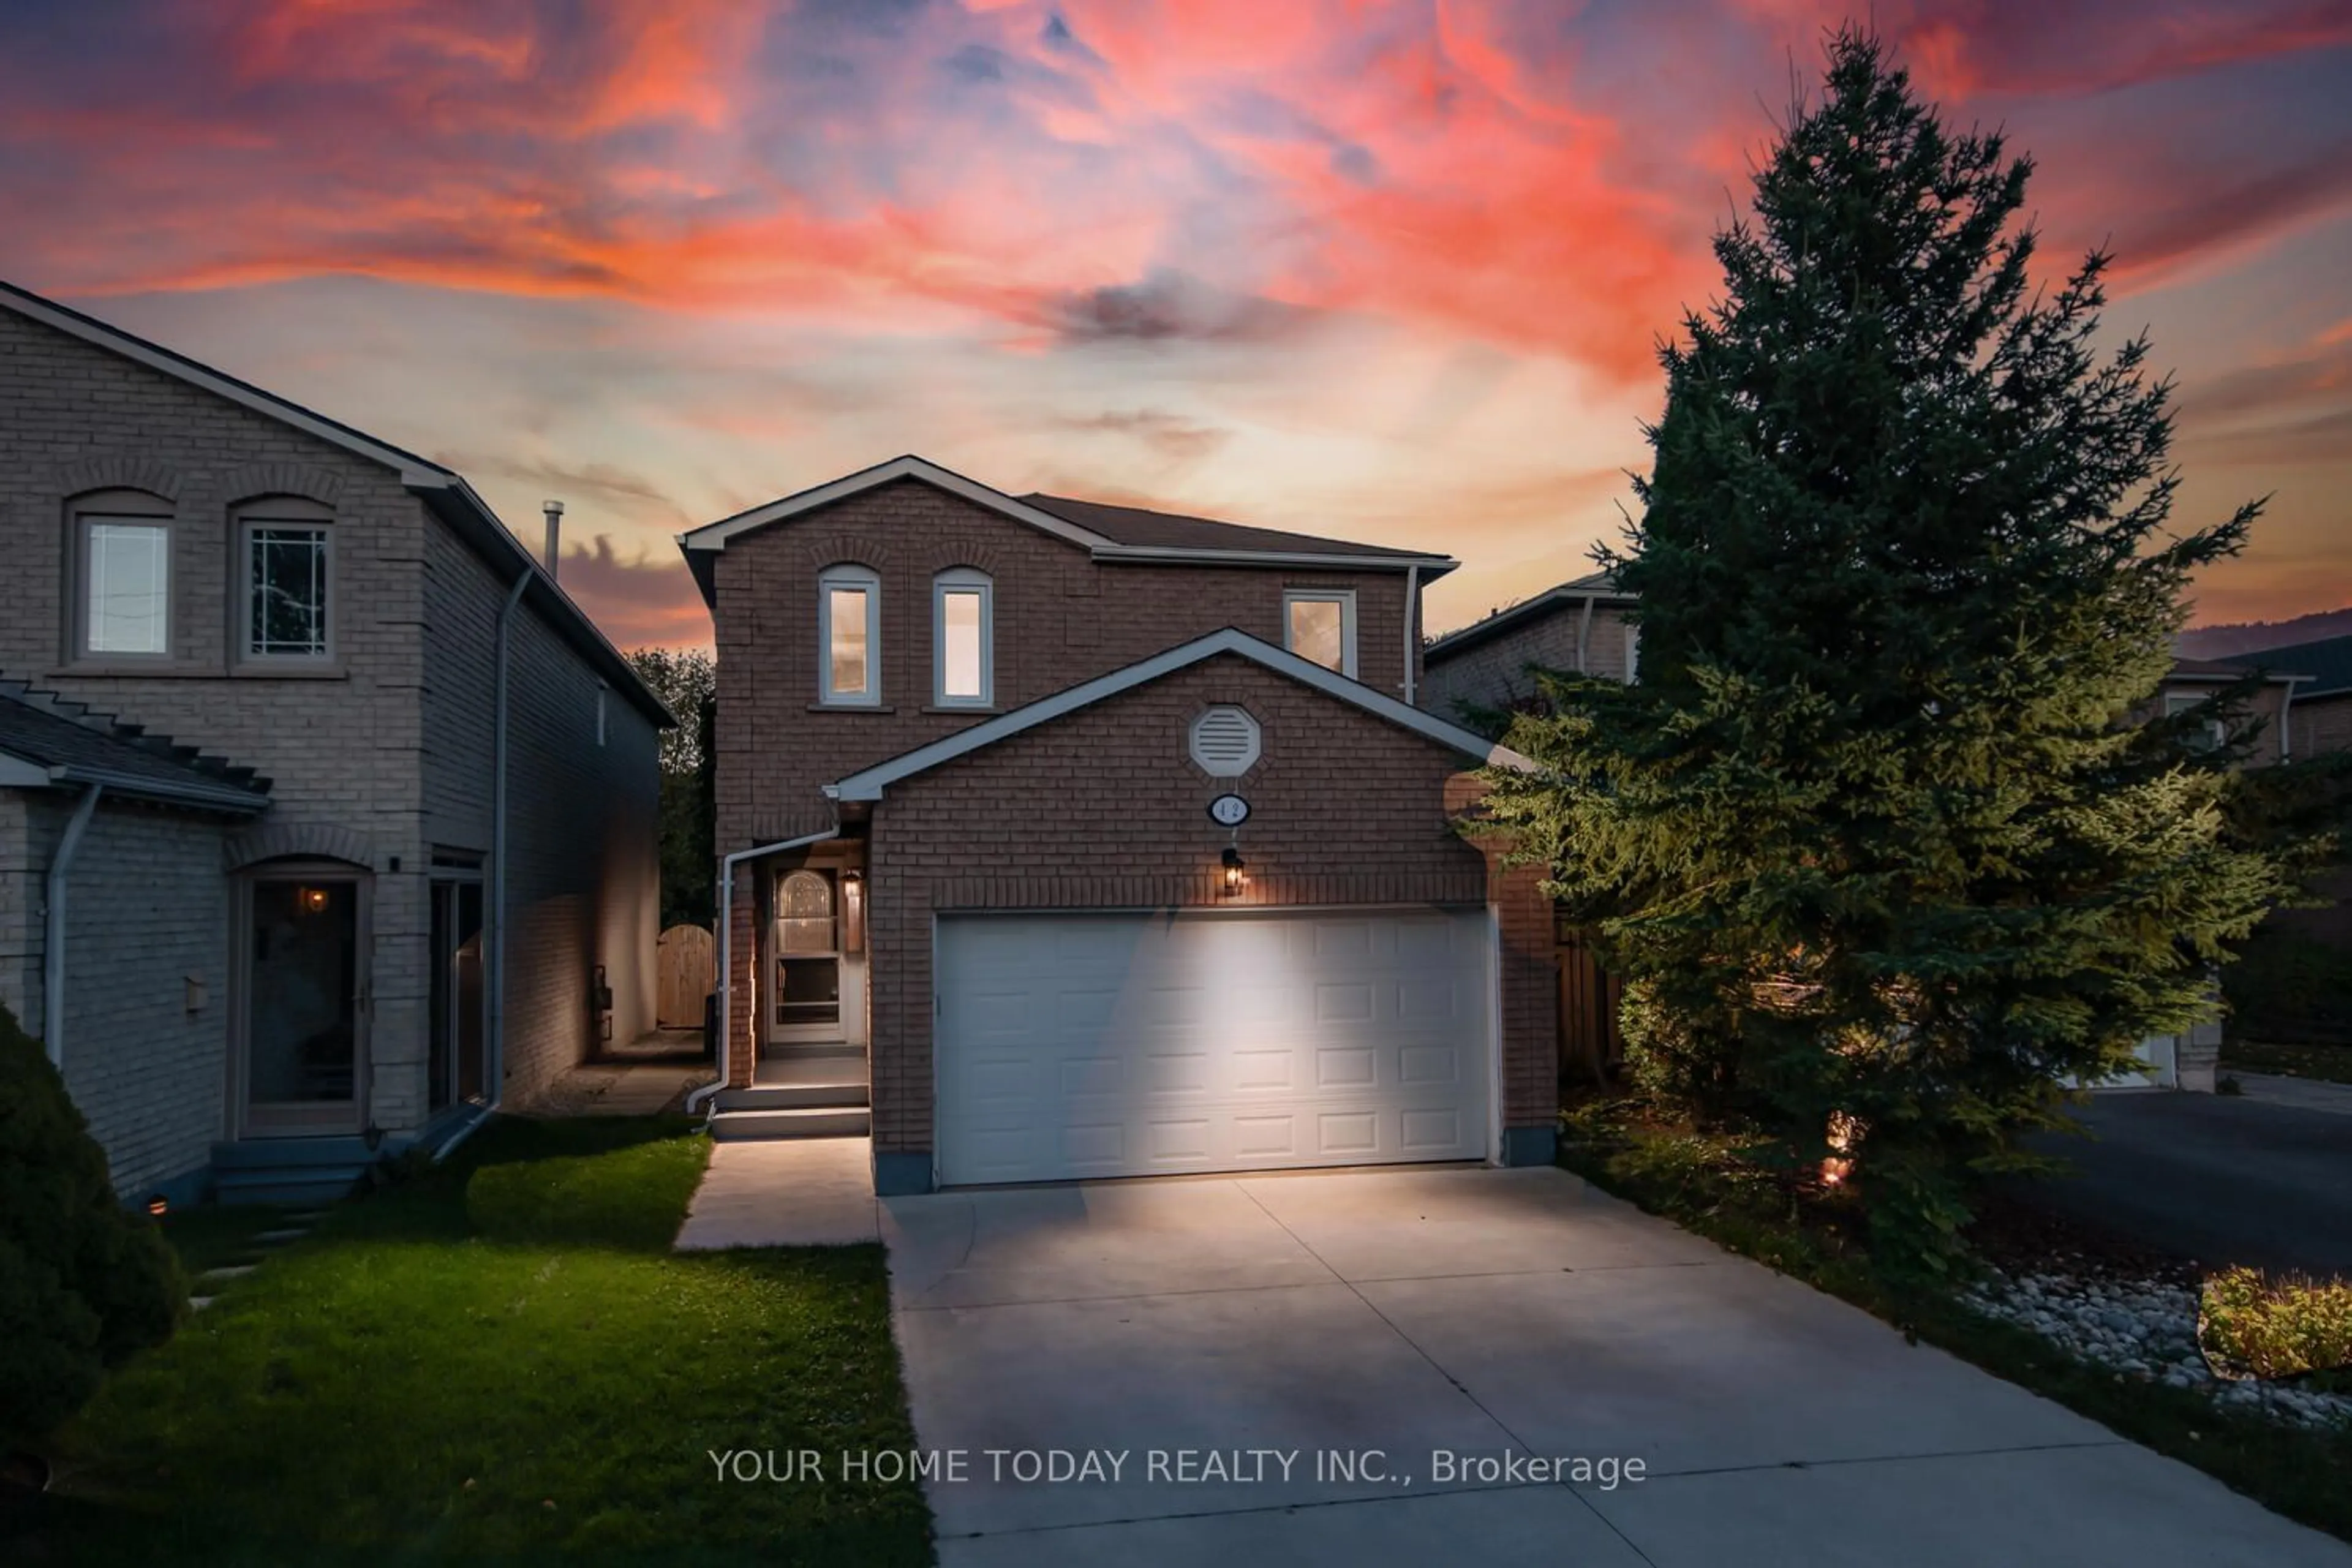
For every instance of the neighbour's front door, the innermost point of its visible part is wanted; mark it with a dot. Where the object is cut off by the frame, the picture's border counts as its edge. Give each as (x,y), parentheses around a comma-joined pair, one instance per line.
(302,1011)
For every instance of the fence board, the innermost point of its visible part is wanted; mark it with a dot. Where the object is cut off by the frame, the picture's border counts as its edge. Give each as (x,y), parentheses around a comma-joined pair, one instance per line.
(686,963)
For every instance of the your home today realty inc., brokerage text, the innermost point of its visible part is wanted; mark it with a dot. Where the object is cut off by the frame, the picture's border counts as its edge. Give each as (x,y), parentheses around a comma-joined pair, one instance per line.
(1176,1466)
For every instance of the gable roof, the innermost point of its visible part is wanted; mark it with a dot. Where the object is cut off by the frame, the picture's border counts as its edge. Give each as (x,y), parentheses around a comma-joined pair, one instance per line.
(442,489)
(1598,586)
(869,783)
(1106,532)
(56,742)
(2325,663)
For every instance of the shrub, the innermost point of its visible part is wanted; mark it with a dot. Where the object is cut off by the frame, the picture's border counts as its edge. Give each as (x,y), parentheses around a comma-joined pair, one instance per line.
(2251,1324)
(83,1285)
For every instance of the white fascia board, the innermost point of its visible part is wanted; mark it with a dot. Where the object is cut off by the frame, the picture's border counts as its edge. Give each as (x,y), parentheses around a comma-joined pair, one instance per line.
(413,469)
(715,535)
(15,772)
(869,783)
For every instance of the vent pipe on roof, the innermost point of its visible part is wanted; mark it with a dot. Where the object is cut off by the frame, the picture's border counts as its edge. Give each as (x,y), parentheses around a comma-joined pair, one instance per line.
(555,511)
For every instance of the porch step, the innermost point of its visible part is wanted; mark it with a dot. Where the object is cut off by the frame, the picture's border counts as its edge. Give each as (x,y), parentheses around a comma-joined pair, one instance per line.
(283,1184)
(304,1172)
(846,1093)
(793,1122)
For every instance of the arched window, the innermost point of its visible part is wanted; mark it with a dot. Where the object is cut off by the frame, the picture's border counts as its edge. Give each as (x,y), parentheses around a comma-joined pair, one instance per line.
(964,639)
(122,575)
(849,636)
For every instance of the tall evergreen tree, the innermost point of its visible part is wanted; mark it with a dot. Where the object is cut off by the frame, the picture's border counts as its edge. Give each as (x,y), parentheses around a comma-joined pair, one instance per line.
(1879,839)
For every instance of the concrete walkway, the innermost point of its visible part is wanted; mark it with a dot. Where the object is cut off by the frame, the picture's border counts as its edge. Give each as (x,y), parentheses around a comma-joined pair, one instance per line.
(644,1078)
(1399,1335)
(785,1192)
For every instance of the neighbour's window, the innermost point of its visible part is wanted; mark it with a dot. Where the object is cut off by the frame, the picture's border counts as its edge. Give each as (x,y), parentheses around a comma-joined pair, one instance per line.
(2178,702)
(1320,626)
(123,544)
(849,636)
(288,554)
(963,639)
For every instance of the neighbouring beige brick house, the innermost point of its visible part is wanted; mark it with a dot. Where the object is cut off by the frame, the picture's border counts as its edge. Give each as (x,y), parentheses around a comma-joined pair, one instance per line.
(265,682)
(1084,840)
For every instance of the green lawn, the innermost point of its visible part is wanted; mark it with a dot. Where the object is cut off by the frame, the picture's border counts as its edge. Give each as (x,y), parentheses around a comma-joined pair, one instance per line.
(499,1361)
(2333,1063)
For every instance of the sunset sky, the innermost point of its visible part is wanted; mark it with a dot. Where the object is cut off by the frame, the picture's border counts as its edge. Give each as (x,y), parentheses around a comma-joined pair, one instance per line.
(1388,270)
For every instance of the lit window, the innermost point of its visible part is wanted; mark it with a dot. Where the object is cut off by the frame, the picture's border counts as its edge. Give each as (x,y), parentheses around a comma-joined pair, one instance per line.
(126,574)
(1320,626)
(964,639)
(849,608)
(285,587)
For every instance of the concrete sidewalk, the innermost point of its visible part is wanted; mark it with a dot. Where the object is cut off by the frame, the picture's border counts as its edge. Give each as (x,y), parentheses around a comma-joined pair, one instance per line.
(2300,1093)
(1398,1334)
(783,1192)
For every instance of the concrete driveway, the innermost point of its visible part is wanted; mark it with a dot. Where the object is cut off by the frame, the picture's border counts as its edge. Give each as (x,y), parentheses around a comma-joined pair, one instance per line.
(1202,1330)
(2219,1178)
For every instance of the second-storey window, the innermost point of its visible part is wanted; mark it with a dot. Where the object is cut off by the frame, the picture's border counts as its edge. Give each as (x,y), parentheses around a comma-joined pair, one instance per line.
(1320,624)
(849,636)
(123,542)
(964,639)
(287,549)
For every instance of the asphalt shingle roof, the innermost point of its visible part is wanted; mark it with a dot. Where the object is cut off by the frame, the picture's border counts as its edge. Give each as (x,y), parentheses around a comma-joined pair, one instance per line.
(1136,525)
(56,734)
(2328,662)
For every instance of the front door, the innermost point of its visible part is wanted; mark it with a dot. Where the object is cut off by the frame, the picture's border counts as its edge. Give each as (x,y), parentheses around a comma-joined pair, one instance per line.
(303,1001)
(807,991)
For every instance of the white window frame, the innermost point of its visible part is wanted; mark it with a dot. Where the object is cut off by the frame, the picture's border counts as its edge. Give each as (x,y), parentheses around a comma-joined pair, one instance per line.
(283,513)
(1343,597)
(130,509)
(870,581)
(963,580)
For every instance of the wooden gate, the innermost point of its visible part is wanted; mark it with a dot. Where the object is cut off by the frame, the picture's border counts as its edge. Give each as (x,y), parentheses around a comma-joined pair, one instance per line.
(685,965)
(1591,1046)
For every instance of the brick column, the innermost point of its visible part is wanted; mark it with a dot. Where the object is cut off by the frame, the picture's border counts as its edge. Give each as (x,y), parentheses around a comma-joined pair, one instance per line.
(742,981)
(1529,969)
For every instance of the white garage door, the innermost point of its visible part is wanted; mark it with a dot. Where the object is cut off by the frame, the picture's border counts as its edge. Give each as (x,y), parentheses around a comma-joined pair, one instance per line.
(1120,1045)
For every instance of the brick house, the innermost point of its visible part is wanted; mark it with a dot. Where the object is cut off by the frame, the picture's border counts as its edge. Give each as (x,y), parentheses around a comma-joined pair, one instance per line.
(1061,839)
(1585,626)
(300,752)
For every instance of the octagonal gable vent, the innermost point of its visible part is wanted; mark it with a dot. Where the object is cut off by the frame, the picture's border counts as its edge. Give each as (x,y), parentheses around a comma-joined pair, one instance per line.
(1226,742)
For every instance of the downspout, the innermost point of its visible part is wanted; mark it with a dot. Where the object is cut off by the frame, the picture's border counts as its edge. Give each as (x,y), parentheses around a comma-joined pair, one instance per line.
(53,941)
(1585,638)
(498,855)
(726,948)
(2286,706)
(1411,625)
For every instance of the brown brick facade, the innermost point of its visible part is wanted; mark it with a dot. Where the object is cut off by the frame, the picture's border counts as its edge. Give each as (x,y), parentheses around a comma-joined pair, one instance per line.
(1103,808)
(1060,618)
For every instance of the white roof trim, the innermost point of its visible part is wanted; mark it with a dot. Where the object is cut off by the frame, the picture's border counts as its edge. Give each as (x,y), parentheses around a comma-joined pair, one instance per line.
(869,783)
(413,469)
(715,535)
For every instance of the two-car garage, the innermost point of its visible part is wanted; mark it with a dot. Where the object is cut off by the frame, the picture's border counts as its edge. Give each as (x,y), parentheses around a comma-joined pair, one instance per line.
(1090,1044)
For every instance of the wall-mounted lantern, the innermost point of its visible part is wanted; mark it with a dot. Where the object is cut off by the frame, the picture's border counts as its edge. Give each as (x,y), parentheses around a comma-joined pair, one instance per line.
(1234,865)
